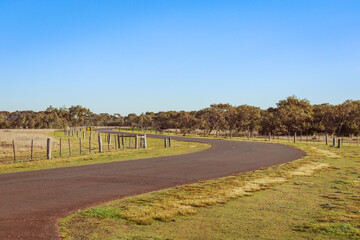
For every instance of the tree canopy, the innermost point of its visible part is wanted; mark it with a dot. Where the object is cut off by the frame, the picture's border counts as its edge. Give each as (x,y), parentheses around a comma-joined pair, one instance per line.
(292,115)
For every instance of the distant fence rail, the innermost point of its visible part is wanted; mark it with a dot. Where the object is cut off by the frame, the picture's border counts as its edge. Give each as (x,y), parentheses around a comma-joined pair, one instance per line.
(314,138)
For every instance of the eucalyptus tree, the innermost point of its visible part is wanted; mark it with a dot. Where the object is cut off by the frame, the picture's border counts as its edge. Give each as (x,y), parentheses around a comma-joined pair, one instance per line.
(248,118)
(295,115)
(213,116)
(187,122)
(164,120)
(346,117)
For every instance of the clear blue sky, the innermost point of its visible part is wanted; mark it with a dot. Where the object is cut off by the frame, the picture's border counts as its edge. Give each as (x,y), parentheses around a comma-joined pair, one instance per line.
(150,55)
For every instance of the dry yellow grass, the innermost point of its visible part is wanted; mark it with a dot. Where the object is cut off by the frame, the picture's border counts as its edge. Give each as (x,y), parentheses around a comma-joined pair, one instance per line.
(184,200)
(22,139)
(325,153)
(309,169)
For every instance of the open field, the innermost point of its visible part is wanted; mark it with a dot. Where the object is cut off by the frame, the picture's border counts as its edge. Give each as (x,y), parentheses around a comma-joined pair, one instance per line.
(32,144)
(23,137)
(316,197)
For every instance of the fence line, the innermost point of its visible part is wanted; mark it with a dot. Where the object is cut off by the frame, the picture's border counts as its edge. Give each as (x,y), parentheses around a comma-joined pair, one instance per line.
(76,146)
(247,135)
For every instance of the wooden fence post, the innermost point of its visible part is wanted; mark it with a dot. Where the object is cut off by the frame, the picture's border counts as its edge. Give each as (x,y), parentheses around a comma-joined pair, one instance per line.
(129,142)
(32,149)
(339,143)
(169,141)
(109,141)
(60,147)
(123,141)
(326,139)
(84,134)
(48,148)
(89,144)
(119,142)
(334,142)
(165,142)
(13,142)
(294,137)
(77,134)
(100,142)
(80,144)
(69,146)
(115,145)
(136,142)
(145,141)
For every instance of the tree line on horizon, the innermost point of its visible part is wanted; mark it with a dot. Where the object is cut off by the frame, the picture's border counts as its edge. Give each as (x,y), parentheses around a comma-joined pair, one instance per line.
(291,116)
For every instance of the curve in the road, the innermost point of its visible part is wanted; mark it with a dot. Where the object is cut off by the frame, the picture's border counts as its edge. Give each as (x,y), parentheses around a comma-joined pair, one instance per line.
(31,202)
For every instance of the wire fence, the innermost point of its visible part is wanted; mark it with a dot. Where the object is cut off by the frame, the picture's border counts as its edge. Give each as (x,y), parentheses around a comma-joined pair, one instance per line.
(68,144)
(327,139)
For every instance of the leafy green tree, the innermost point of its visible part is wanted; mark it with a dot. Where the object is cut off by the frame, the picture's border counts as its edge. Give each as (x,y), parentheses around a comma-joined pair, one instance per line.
(187,122)
(212,117)
(248,118)
(295,115)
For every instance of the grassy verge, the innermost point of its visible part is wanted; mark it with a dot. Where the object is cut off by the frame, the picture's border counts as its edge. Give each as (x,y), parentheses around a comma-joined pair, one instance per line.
(317,197)
(155,149)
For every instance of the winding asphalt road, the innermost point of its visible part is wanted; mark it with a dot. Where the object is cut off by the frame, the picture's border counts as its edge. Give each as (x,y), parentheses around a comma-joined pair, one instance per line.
(31,202)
